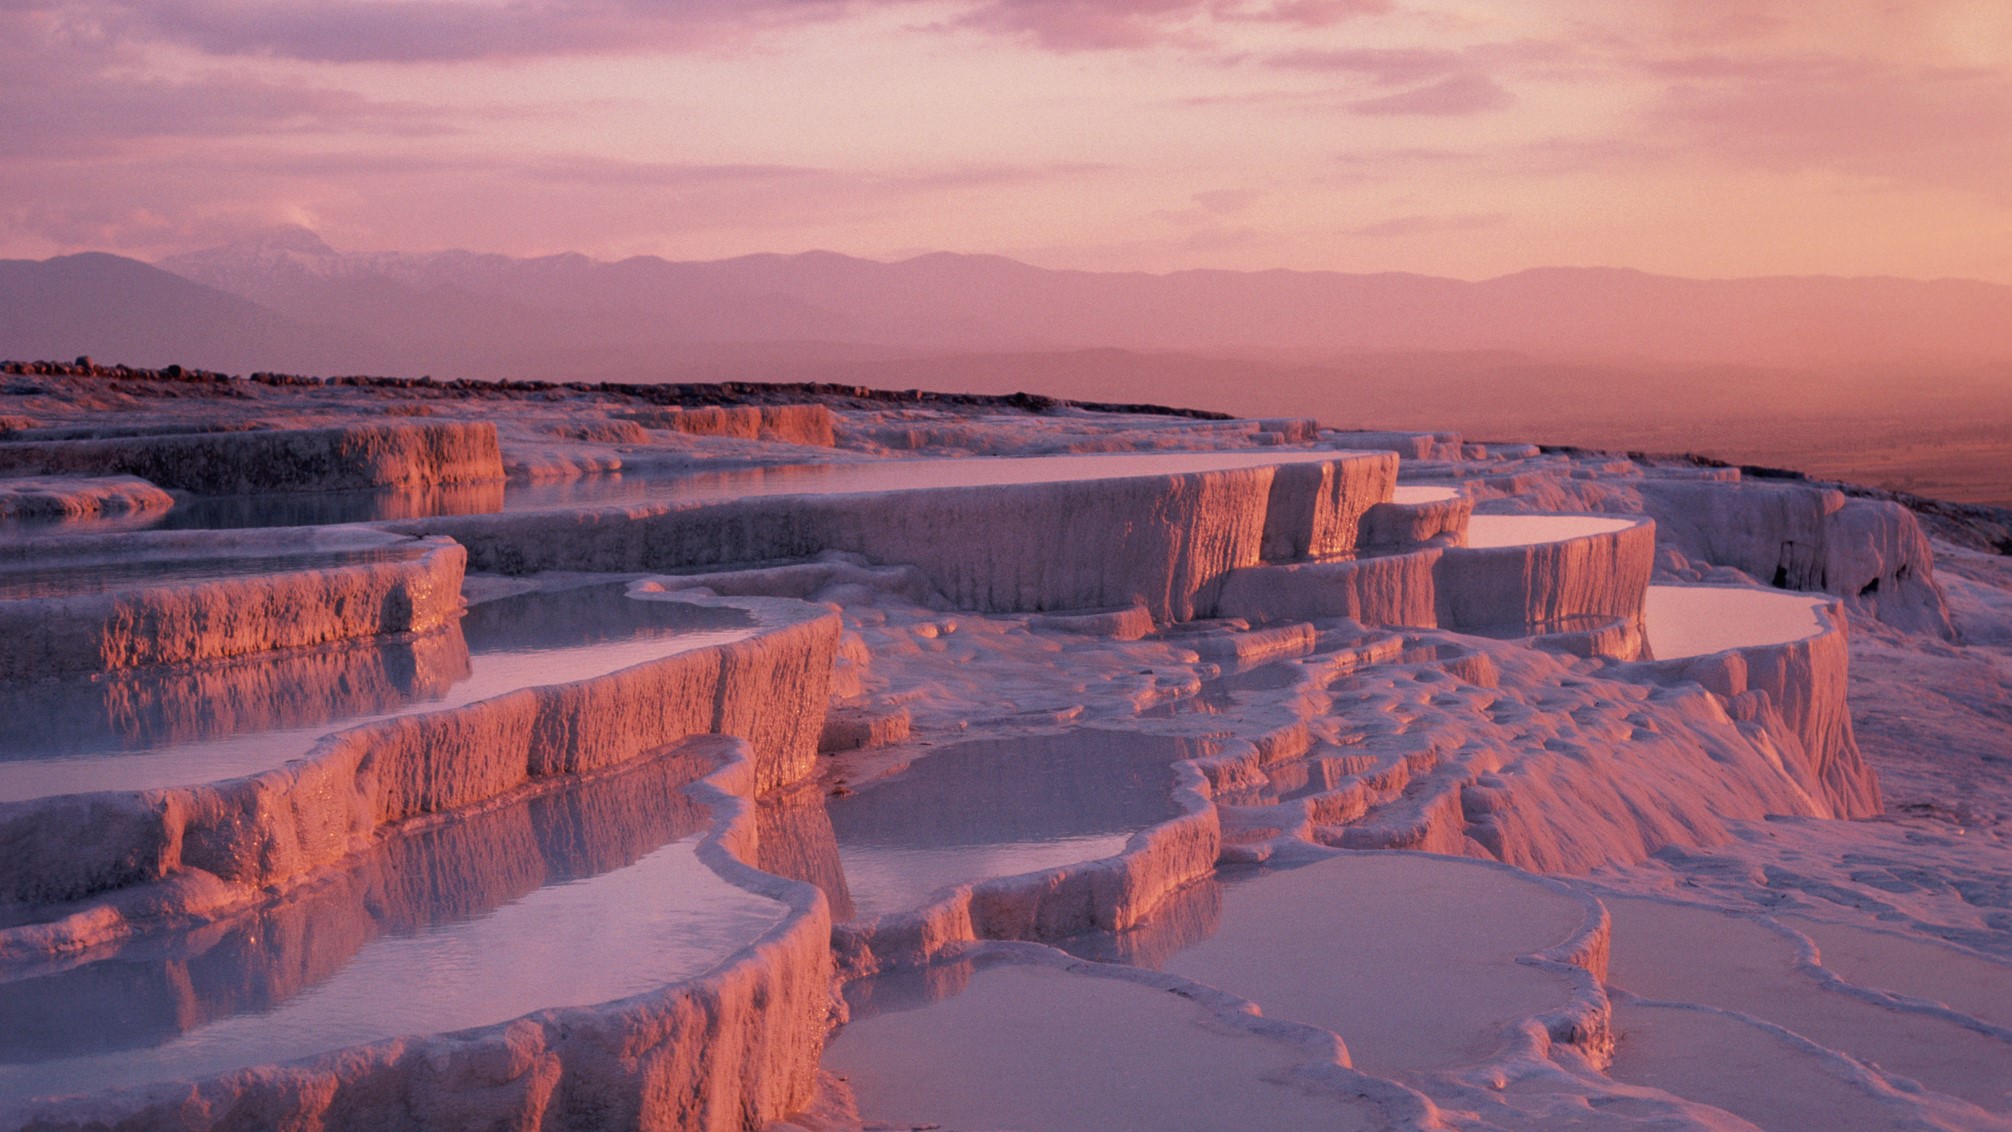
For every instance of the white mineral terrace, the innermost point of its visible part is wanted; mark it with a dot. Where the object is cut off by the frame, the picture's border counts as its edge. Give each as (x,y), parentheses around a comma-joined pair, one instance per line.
(524,641)
(913,764)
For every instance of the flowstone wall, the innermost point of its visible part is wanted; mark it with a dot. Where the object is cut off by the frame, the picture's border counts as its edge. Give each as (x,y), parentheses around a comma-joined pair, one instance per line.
(1162,541)
(315,459)
(217,596)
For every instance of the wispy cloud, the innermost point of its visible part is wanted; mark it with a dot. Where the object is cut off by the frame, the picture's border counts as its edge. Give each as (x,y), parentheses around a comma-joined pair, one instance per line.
(1451,96)
(419,31)
(1386,65)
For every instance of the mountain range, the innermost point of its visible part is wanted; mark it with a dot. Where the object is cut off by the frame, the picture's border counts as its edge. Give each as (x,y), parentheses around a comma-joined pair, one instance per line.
(1906,383)
(287,300)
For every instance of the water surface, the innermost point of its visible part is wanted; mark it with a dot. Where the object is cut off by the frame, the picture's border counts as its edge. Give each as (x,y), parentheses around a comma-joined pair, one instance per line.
(1037,1048)
(1526,530)
(1697,620)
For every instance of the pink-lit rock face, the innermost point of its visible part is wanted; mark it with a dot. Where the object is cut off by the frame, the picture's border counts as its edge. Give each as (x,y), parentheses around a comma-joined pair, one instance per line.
(360,455)
(1050,770)
(57,498)
(94,603)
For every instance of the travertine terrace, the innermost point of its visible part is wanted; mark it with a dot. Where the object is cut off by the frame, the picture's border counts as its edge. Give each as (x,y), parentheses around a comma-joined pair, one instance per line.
(396,754)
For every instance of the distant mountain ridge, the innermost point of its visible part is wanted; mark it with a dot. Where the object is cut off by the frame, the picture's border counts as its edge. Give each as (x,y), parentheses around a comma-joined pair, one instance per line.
(124,310)
(288,300)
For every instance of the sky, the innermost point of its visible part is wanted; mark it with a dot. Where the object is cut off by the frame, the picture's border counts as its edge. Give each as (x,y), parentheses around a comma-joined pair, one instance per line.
(1706,138)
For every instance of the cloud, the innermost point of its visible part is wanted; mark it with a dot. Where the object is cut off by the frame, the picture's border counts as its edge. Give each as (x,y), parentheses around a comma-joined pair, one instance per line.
(1310,13)
(1389,66)
(75,97)
(1452,96)
(418,31)
(1227,202)
(450,31)
(216,192)
(1108,25)
(1923,126)
(1427,225)
(1087,25)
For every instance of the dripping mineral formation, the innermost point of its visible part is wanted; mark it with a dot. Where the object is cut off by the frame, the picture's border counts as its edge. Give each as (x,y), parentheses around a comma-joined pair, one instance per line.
(398,754)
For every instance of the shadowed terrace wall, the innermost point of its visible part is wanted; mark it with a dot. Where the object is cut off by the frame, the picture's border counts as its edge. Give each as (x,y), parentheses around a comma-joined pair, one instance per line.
(409,455)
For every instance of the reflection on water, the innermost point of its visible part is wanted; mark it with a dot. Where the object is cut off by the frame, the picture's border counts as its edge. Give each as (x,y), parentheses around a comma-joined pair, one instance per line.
(1183,918)
(178,726)
(797,842)
(147,709)
(1696,620)
(584,895)
(1524,530)
(1003,807)
(42,577)
(321,508)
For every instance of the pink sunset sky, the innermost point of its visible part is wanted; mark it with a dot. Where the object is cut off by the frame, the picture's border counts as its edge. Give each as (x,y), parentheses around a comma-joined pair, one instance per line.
(1451,137)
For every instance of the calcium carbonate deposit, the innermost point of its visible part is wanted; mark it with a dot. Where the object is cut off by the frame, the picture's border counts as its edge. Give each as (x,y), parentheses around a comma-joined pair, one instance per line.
(809,759)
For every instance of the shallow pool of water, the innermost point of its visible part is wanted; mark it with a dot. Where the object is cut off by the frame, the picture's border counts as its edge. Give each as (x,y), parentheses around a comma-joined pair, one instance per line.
(1035,1047)
(1002,807)
(180,726)
(1413,960)
(1697,620)
(584,895)
(1526,530)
